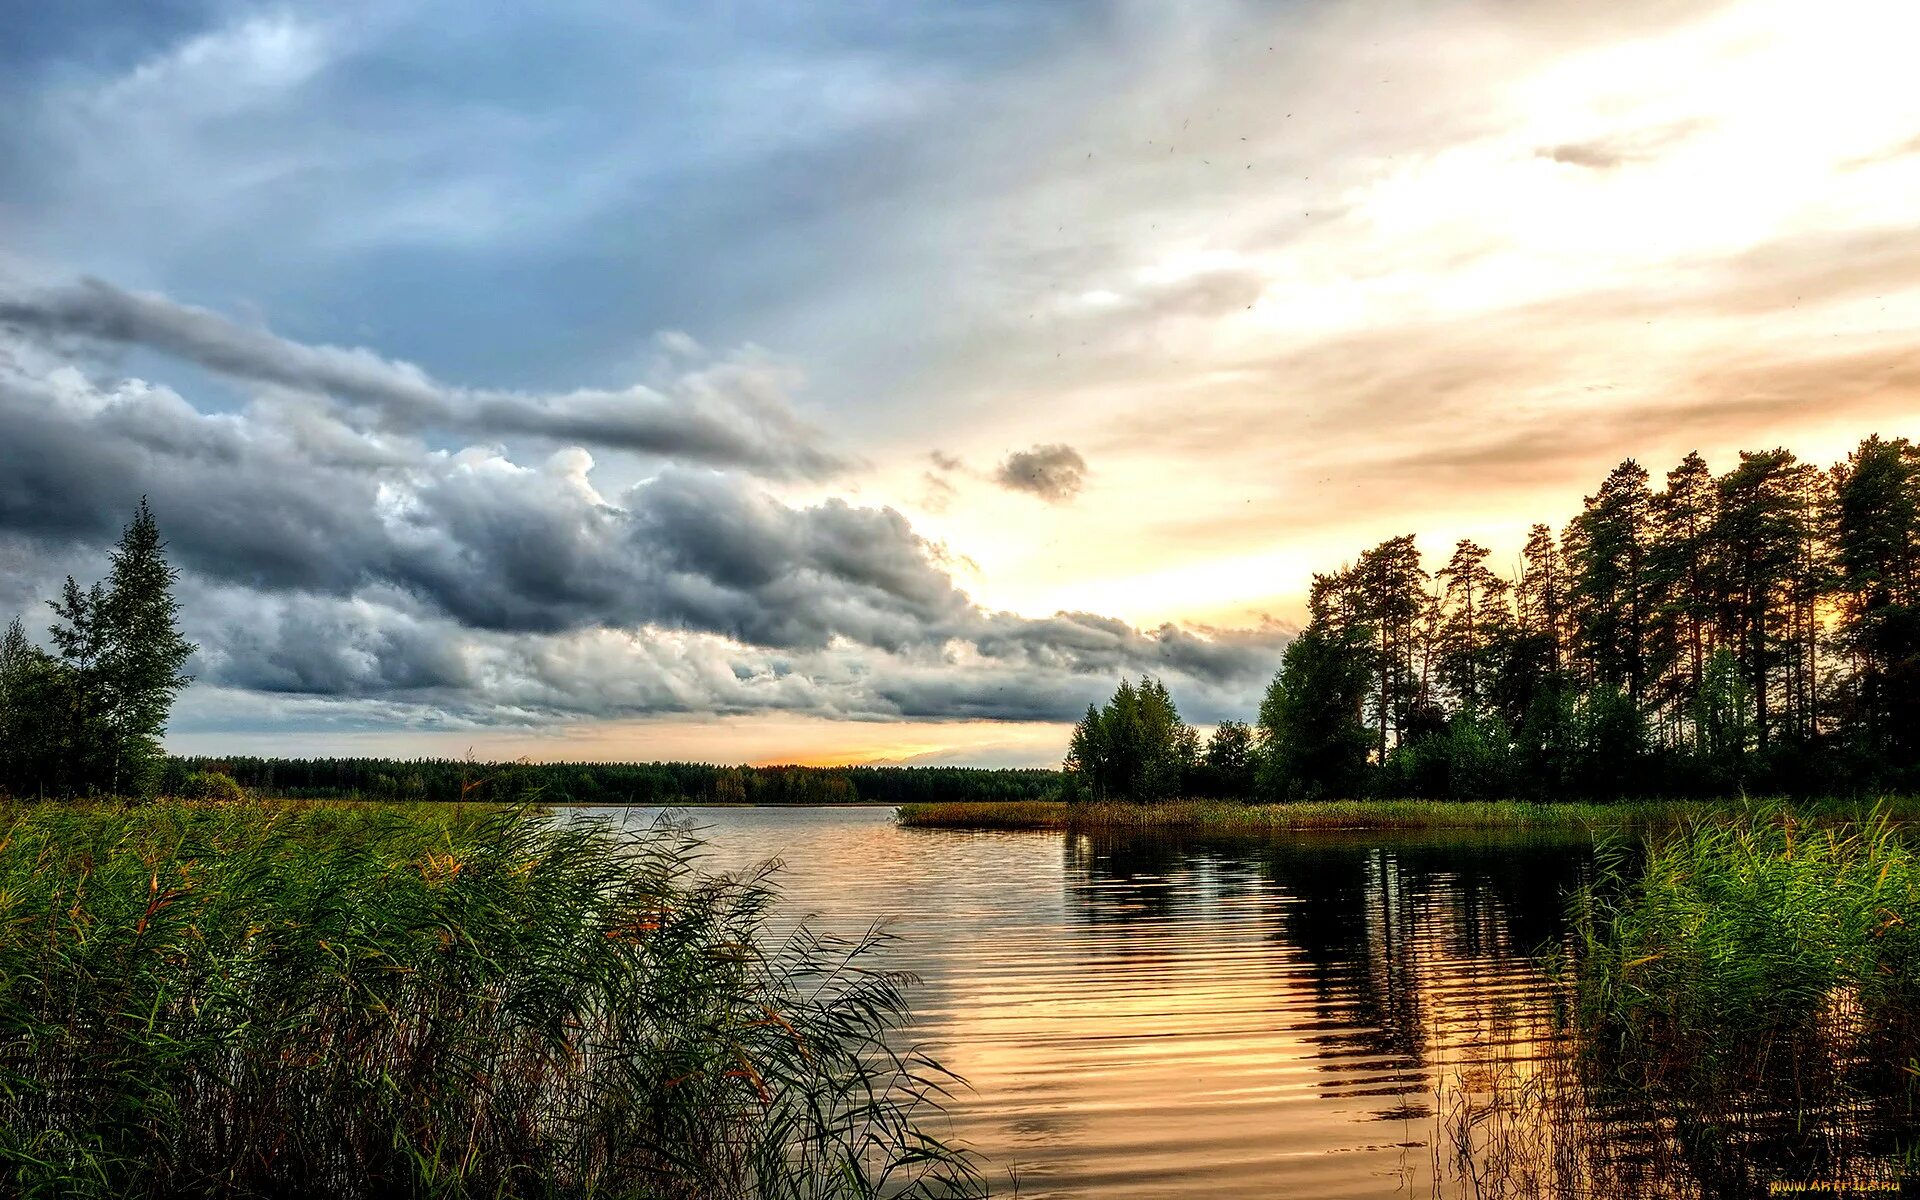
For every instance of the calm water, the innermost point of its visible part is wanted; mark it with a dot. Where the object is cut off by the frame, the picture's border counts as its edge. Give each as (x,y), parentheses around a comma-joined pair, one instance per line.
(1150,1017)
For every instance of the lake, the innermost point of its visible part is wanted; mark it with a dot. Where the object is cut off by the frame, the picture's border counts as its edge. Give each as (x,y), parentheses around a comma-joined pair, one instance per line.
(1164,1016)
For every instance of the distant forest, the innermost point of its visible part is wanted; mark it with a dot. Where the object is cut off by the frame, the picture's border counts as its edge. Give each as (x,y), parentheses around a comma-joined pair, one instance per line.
(1756,631)
(608,783)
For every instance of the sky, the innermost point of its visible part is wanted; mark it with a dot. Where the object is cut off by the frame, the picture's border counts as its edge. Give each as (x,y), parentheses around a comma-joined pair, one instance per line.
(834,382)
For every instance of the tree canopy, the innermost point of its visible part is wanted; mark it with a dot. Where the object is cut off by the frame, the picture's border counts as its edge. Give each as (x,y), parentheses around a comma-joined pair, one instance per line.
(1757,630)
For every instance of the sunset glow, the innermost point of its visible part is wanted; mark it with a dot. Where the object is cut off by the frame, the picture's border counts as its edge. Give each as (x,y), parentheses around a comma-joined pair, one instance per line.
(537,333)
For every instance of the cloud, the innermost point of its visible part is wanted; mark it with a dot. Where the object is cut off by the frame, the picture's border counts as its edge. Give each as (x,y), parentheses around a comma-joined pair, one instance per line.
(1622,148)
(323,560)
(1054,472)
(1898,150)
(732,414)
(937,493)
(375,650)
(1449,262)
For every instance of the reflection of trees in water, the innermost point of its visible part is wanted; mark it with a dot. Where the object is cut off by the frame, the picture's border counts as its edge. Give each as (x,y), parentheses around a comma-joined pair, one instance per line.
(1404,941)
(1412,942)
(1125,879)
(1415,971)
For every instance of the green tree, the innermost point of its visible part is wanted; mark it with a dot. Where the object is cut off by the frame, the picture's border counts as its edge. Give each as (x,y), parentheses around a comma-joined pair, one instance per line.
(36,700)
(97,722)
(1227,764)
(142,655)
(1681,563)
(1474,620)
(1611,744)
(1760,533)
(1313,735)
(1877,560)
(1529,657)
(1386,595)
(1540,596)
(1606,552)
(1134,748)
(1723,729)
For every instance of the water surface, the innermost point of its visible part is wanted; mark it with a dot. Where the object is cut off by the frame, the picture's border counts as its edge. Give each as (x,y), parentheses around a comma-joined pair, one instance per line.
(1160,1016)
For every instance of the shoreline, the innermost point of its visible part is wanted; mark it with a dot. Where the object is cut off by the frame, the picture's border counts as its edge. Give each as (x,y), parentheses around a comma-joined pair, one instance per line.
(1220,816)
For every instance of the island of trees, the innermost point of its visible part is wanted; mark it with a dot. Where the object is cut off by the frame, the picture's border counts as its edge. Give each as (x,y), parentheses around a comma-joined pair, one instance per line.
(1752,632)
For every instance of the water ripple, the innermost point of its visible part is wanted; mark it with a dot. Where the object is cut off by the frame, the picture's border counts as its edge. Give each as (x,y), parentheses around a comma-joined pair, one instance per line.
(1145,1017)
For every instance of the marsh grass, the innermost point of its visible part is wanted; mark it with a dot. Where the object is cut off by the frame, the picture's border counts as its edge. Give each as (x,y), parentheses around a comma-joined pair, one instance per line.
(1736,1009)
(1230,816)
(449,1001)
(1760,983)
(1227,816)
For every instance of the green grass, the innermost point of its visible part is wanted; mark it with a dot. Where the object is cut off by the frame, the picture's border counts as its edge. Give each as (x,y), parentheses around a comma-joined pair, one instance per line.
(296,1000)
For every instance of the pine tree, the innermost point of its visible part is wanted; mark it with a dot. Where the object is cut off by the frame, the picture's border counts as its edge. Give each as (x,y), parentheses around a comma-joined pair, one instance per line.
(1876,533)
(1541,594)
(1473,620)
(142,654)
(1758,535)
(123,653)
(1681,564)
(1606,552)
(1388,599)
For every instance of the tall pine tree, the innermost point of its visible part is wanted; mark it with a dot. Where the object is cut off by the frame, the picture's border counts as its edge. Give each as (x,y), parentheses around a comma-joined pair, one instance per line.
(97,713)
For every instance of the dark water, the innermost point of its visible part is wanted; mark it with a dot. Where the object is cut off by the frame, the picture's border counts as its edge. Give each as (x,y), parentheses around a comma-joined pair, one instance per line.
(1143,1016)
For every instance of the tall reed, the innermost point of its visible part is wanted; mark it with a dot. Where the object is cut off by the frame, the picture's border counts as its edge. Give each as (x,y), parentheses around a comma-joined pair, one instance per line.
(1758,984)
(286,1000)
(1737,1013)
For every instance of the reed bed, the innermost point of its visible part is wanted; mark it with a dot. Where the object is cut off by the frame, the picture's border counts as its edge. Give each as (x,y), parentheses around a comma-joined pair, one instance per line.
(1760,982)
(1228,816)
(1232,816)
(449,1001)
(1737,1014)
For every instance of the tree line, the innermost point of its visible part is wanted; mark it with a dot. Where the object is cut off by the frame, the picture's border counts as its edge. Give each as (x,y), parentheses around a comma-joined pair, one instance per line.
(1752,631)
(655,783)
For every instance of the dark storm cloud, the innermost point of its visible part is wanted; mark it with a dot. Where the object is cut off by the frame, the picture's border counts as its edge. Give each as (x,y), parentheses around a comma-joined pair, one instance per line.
(378,649)
(728,415)
(314,645)
(1055,473)
(328,561)
(490,543)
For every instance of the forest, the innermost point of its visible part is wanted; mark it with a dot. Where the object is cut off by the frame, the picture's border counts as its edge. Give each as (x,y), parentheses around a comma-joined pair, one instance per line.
(1753,632)
(608,783)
